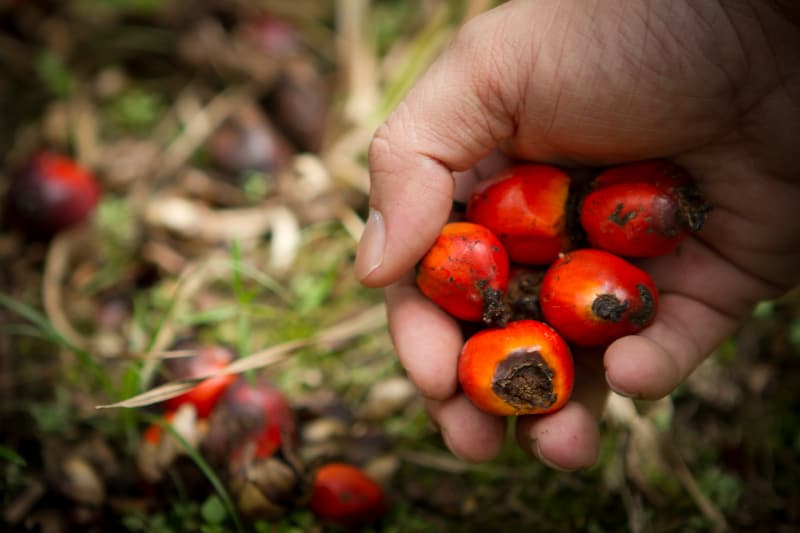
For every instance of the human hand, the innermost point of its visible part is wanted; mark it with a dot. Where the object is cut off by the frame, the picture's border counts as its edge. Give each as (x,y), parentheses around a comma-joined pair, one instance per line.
(713,86)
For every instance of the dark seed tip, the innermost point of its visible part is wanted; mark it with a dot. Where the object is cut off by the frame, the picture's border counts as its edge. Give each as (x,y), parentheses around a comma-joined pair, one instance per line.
(609,307)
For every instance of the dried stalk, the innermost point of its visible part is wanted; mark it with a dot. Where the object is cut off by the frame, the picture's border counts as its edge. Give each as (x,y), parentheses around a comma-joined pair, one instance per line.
(361,324)
(56,265)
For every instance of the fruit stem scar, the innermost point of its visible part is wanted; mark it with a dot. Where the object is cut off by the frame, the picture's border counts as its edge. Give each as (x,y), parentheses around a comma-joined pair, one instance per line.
(618,218)
(693,208)
(644,315)
(495,311)
(524,379)
(608,307)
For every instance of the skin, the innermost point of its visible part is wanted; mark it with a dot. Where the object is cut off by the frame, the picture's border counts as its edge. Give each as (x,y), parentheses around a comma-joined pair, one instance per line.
(712,85)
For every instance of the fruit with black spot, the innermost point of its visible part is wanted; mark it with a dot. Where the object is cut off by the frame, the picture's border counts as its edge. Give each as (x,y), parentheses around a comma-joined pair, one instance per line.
(465,272)
(593,297)
(642,209)
(523,368)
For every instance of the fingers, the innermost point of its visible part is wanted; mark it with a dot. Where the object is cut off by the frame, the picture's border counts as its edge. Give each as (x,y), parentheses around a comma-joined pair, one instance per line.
(428,343)
(569,439)
(650,365)
(469,433)
(487,167)
(427,340)
(448,122)
(702,297)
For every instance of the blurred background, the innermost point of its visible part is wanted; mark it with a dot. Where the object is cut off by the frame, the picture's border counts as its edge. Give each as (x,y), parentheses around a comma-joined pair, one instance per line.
(182,186)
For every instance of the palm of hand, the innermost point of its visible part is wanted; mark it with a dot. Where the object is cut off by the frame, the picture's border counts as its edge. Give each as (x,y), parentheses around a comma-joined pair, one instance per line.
(668,80)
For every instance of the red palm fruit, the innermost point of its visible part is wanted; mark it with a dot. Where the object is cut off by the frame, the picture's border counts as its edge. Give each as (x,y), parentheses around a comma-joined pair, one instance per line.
(51,193)
(592,297)
(154,432)
(526,207)
(465,272)
(642,209)
(260,416)
(521,369)
(208,361)
(344,495)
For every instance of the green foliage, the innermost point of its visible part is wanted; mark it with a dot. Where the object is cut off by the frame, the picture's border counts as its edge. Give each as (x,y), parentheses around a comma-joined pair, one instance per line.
(141,6)
(726,351)
(206,517)
(244,298)
(390,20)
(723,487)
(135,110)
(12,473)
(222,497)
(794,334)
(764,309)
(54,416)
(405,518)
(137,5)
(54,74)
(37,320)
(312,290)
(7,455)
(256,185)
(296,522)
(213,511)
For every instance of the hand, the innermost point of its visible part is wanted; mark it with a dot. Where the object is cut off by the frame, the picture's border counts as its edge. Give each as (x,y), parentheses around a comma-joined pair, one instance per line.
(714,86)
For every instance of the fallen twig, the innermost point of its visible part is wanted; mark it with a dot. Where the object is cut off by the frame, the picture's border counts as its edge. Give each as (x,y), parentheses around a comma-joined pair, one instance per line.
(366,321)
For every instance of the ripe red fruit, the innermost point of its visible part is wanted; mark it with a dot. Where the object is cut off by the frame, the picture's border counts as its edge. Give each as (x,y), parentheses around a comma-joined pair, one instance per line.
(208,361)
(259,415)
(465,272)
(521,369)
(344,495)
(642,209)
(154,432)
(593,297)
(51,193)
(526,207)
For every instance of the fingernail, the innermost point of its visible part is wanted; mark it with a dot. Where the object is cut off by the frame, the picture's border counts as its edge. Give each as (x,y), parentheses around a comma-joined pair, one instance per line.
(537,451)
(370,249)
(613,386)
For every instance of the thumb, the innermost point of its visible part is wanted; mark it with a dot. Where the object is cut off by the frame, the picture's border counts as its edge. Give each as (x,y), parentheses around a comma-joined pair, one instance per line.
(450,120)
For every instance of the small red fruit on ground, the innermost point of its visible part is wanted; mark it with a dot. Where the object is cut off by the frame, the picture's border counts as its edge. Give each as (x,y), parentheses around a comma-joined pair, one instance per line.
(521,369)
(51,193)
(154,432)
(465,272)
(642,209)
(593,297)
(208,361)
(343,494)
(259,415)
(526,207)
